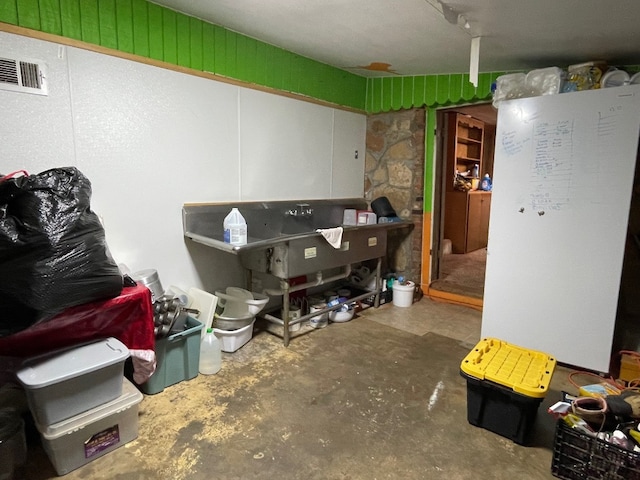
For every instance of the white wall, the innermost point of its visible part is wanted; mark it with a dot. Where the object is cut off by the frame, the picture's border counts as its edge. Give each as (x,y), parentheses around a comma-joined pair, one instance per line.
(151,139)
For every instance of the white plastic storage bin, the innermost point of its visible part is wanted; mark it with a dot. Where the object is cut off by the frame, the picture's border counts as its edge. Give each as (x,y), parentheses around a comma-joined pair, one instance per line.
(63,384)
(77,441)
(232,340)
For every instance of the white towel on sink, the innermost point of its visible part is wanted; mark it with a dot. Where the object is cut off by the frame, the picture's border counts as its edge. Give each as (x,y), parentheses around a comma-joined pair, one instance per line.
(332,235)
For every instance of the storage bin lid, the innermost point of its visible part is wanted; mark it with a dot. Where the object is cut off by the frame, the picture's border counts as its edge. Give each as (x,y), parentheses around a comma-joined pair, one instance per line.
(45,370)
(130,397)
(525,371)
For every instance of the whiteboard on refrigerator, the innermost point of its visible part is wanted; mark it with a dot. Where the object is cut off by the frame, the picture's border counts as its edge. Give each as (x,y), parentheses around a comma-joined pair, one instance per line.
(562,183)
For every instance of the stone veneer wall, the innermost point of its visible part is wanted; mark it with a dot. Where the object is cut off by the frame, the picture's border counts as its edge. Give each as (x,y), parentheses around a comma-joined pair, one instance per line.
(394,168)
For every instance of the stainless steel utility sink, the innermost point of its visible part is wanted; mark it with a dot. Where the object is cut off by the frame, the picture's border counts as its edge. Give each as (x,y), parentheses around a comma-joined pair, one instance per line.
(268,222)
(282,237)
(283,241)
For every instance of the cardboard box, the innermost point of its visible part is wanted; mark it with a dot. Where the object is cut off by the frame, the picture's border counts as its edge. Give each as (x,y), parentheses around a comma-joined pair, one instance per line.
(81,439)
(63,384)
(629,367)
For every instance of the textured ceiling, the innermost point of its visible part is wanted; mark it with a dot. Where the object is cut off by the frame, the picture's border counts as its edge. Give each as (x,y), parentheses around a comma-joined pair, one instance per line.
(413,37)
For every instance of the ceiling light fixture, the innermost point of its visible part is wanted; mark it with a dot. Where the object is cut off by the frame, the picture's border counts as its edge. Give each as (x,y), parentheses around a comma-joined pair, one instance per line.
(450,15)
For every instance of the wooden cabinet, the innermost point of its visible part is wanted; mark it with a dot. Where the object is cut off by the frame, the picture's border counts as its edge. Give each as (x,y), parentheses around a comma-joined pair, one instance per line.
(478,220)
(466,221)
(465,140)
(466,213)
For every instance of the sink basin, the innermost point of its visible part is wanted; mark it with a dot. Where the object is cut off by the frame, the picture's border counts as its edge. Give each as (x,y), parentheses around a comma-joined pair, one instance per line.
(282,239)
(270,221)
(293,225)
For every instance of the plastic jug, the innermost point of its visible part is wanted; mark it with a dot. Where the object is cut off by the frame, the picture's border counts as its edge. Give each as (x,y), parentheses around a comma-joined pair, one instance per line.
(210,354)
(486,184)
(235,228)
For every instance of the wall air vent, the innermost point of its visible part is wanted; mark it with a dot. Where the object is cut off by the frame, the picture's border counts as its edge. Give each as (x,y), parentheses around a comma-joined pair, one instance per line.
(23,76)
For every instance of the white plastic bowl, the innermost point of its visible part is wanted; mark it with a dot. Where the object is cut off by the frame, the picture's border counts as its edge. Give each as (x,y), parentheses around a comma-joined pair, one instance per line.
(223,322)
(258,303)
(239,306)
(341,315)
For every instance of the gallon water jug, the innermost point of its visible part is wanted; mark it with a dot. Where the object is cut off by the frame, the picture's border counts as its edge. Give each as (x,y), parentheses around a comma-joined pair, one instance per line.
(210,354)
(235,228)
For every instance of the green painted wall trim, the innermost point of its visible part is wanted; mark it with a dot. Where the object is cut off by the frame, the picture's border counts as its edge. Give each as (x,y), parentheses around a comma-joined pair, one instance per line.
(393,93)
(149,30)
(433,91)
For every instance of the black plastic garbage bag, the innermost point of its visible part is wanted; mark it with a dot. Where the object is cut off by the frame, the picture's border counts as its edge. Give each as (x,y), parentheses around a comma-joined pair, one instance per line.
(53,251)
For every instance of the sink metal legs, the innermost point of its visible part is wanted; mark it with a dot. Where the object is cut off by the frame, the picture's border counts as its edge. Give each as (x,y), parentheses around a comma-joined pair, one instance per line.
(287,289)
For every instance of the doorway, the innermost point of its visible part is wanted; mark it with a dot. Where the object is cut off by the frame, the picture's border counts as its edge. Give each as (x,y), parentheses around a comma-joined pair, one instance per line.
(459,270)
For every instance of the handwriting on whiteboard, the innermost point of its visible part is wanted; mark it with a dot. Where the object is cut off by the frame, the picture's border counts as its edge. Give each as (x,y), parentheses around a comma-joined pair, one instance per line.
(512,143)
(562,154)
(607,121)
(551,166)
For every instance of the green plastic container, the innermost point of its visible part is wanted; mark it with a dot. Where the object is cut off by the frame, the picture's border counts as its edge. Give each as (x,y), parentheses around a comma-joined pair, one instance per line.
(178,356)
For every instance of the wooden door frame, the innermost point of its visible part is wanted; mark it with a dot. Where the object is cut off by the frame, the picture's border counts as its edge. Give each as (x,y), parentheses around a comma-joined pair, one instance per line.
(437,214)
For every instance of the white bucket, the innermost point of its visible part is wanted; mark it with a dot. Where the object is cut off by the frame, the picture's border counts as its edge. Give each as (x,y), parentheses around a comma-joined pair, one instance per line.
(403,294)
(294,314)
(319,321)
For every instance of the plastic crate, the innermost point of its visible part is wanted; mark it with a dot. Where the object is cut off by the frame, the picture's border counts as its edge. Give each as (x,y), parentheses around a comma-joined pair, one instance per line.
(505,386)
(577,455)
(385,297)
(177,358)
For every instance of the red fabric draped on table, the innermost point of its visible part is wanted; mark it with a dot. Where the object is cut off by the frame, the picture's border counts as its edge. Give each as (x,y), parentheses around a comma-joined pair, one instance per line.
(127,317)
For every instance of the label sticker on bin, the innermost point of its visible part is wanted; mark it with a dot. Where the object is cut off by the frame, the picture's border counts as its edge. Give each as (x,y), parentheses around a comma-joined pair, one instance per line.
(528,372)
(101,441)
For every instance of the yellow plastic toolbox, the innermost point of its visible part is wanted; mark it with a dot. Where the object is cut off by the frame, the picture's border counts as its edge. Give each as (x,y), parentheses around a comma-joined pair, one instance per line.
(505,386)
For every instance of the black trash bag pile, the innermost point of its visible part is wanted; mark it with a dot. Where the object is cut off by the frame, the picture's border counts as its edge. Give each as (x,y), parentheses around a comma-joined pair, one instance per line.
(53,251)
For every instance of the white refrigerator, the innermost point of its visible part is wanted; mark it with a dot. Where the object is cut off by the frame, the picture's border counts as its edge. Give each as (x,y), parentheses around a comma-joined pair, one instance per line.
(562,183)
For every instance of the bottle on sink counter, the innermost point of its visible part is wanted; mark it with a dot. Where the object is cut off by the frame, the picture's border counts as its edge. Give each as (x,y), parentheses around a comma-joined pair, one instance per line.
(235,228)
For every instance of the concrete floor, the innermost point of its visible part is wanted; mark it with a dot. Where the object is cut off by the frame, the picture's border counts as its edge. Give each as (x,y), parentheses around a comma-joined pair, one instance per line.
(378,397)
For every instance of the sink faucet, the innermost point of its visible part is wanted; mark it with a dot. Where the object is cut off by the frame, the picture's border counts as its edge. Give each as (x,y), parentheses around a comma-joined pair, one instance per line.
(300,210)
